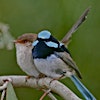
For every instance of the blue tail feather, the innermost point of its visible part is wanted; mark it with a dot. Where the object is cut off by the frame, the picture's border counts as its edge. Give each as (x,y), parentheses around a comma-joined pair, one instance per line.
(83,90)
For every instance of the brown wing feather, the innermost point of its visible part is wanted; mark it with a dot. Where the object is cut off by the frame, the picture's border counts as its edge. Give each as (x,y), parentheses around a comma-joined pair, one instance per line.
(68,60)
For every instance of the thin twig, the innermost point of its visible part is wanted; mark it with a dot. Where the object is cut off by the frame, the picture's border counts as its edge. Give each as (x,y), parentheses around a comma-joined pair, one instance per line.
(51,96)
(75,26)
(3,94)
(46,92)
(4,86)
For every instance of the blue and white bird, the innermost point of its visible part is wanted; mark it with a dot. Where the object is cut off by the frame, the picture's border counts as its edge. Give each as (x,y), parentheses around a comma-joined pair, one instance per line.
(54,60)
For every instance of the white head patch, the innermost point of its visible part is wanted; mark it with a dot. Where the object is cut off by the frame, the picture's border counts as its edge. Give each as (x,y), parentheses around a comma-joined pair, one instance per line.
(44,34)
(61,44)
(35,43)
(51,44)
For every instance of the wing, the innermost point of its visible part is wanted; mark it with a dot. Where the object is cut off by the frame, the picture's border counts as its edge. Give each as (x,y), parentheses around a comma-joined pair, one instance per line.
(68,60)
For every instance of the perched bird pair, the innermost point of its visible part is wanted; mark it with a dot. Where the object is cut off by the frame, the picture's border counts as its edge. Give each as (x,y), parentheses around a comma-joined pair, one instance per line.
(43,54)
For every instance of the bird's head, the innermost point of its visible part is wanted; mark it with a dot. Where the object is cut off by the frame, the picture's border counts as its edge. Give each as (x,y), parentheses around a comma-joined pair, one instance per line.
(26,39)
(47,38)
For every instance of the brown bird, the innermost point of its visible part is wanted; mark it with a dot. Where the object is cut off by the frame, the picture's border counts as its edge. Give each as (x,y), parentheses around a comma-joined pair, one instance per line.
(24,47)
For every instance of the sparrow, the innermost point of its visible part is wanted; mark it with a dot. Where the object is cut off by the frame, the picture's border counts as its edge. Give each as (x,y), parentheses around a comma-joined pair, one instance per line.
(24,47)
(54,60)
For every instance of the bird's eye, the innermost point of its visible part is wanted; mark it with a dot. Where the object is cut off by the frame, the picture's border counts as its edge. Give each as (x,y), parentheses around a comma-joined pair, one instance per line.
(24,41)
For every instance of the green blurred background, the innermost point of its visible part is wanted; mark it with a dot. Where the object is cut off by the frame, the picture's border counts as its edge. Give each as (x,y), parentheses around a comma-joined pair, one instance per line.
(57,16)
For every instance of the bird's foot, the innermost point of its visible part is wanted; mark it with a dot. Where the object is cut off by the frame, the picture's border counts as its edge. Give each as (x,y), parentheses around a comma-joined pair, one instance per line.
(56,78)
(41,76)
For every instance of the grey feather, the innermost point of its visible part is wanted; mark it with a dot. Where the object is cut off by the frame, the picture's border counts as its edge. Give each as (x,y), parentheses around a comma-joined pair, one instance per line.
(68,60)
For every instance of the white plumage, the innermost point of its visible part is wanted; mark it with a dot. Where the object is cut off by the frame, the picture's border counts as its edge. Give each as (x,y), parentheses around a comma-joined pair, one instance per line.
(53,67)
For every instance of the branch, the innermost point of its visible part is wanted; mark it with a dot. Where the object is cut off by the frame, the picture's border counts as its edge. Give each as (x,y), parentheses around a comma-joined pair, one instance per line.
(75,26)
(46,83)
(3,94)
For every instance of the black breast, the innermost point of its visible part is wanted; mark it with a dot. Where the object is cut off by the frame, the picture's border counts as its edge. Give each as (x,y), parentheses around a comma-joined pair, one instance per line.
(41,50)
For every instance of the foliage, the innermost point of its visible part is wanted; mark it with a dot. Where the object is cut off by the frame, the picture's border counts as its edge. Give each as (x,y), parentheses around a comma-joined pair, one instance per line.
(10,92)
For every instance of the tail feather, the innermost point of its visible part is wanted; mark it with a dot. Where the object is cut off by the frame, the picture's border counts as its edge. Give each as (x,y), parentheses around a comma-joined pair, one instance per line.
(83,90)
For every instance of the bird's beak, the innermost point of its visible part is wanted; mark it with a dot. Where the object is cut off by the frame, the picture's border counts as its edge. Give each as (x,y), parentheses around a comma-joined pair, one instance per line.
(16,41)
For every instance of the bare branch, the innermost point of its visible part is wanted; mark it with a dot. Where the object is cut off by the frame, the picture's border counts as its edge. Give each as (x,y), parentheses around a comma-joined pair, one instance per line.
(75,26)
(4,86)
(50,94)
(46,83)
(45,93)
(3,94)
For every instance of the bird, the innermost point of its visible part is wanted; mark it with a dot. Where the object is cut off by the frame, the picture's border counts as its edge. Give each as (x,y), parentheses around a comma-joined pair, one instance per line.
(23,45)
(53,59)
